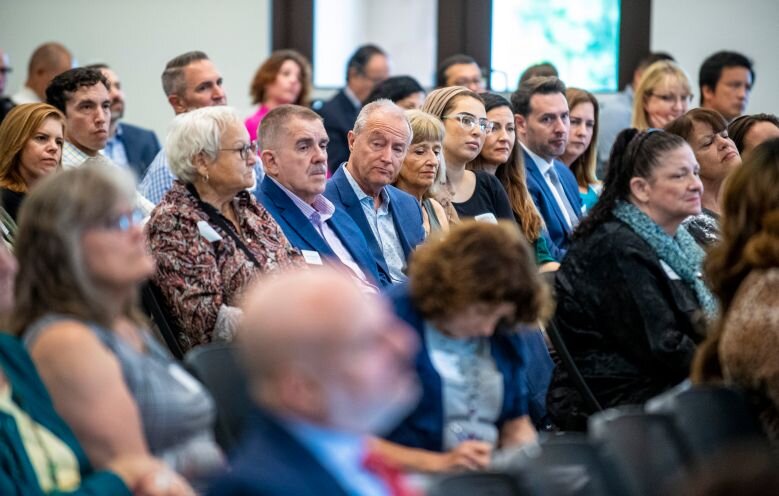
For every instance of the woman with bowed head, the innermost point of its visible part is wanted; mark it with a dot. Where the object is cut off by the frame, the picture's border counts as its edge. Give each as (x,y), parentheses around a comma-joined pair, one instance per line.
(209,236)
(663,94)
(483,373)
(744,273)
(706,131)
(82,257)
(631,303)
(284,77)
(581,152)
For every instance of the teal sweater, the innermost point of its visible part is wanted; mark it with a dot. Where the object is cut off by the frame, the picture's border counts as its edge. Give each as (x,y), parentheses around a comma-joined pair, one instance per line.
(17,476)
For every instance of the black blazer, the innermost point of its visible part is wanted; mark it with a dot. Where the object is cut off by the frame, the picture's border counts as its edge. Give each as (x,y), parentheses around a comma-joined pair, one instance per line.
(339,114)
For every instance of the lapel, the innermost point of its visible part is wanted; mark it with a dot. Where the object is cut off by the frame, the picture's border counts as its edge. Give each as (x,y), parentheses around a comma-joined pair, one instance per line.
(396,210)
(549,199)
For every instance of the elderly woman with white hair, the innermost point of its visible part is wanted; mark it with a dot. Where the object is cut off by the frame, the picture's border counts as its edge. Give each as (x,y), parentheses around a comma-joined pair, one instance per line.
(209,235)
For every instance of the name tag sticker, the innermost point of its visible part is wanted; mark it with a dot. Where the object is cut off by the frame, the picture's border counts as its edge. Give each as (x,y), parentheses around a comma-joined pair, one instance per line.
(208,232)
(487,217)
(183,378)
(312,257)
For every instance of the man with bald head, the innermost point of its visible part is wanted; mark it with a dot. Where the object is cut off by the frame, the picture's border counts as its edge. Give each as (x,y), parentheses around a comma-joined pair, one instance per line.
(47,61)
(294,153)
(327,365)
(390,219)
(6,104)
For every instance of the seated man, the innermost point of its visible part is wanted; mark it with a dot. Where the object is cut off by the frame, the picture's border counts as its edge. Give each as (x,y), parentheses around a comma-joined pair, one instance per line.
(390,219)
(294,152)
(326,365)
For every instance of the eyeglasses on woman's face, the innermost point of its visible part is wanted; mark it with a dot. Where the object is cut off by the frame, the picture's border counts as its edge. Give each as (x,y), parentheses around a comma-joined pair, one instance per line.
(244,150)
(468,122)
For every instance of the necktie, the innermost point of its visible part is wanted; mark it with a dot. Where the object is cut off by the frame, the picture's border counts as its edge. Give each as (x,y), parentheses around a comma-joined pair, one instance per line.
(555,180)
(389,474)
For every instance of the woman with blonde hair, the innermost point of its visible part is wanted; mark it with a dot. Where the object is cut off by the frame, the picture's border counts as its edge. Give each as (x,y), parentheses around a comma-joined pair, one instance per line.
(663,94)
(581,152)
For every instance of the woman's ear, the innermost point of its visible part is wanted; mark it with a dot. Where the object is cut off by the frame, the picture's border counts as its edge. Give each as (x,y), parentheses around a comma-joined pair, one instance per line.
(200,161)
(640,189)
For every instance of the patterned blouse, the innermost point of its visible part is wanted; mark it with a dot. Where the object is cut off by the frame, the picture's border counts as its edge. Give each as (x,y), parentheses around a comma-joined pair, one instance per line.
(200,269)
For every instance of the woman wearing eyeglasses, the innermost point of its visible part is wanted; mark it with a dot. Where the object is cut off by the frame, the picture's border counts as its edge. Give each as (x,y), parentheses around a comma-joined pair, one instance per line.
(663,94)
(208,235)
(473,194)
(82,255)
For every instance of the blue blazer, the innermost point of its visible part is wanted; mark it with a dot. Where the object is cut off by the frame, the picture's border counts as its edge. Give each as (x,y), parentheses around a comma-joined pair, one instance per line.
(339,114)
(556,226)
(405,210)
(302,234)
(270,461)
(141,146)
(522,359)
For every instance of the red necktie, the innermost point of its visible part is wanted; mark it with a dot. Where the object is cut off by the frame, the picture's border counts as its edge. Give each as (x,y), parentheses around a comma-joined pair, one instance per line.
(390,474)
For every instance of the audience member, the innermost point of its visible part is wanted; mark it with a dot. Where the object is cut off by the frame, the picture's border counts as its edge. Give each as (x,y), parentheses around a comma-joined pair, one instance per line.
(662,95)
(423,173)
(367,67)
(208,235)
(460,70)
(30,148)
(295,157)
(47,61)
(544,69)
(405,91)
(542,119)
(81,94)
(284,77)
(743,271)
(6,104)
(82,256)
(473,194)
(725,81)
(327,365)
(629,292)
(127,145)
(706,132)
(616,110)
(390,219)
(748,131)
(483,374)
(581,152)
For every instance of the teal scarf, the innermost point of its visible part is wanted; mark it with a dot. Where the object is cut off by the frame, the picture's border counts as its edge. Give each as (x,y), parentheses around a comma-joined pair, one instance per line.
(680,252)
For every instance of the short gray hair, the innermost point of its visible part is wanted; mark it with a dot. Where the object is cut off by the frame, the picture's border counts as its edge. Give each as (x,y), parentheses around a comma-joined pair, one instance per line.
(194,132)
(383,106)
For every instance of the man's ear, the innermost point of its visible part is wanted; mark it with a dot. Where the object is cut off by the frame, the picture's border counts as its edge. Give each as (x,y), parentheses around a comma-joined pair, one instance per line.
(640,189)
(708,93)
(269,162)
(520,123)
(177,104)
(350,137)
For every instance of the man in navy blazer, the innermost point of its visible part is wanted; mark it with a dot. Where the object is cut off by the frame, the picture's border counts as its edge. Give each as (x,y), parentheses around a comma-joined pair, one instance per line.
(542,120)
(327,365)
(367,67)
(294,155)
(390,219)
(127,145)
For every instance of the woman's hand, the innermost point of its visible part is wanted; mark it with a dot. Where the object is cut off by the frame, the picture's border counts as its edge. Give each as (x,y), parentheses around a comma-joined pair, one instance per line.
(468,455)
(148,476)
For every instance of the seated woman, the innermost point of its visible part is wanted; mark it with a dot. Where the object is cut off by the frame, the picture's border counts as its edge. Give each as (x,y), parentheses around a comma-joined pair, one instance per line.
(31,139)
(404,91)
(421,174)
(473,194)
(209,235)
(483,374)
(284,77)
(629,292)
(748,131)
(40,454)
(663,94)
(501,157)
(706,131)
(581,152)
(82,256)
(744,273)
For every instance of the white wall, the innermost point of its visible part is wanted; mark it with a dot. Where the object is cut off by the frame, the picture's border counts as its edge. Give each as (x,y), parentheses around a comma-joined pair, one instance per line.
(137,38)
(691,30)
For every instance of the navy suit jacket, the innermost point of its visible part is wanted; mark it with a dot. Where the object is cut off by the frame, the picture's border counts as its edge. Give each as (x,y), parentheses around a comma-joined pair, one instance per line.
(339,114)
(140,145)
(556,226)
(404,208)
(302,234)
(270,461)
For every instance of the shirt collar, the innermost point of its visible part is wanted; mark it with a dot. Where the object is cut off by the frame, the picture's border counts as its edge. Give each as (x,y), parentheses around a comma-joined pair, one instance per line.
(321,205)
(337,447)
(542,164)
(352,97)
(362,195)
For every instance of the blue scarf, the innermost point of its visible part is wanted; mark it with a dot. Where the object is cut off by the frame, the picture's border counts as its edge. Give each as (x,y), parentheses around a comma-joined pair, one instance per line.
(680,252)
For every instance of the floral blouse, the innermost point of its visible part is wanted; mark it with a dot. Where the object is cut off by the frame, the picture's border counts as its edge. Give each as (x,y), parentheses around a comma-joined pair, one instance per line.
(200,268)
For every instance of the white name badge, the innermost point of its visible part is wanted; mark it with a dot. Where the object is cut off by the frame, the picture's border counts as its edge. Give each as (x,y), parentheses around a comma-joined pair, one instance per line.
(208,232)
(487,217)
(312,257)
(183,378)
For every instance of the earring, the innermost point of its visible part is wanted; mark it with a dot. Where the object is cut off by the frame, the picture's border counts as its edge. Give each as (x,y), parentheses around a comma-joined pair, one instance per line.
(205,178)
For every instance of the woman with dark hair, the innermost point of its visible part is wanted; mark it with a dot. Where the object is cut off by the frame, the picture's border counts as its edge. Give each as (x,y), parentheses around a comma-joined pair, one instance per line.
(630,299)
(743,270)
(284,77)
(404,91)
(748,131)
(581,152)
(706,131)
